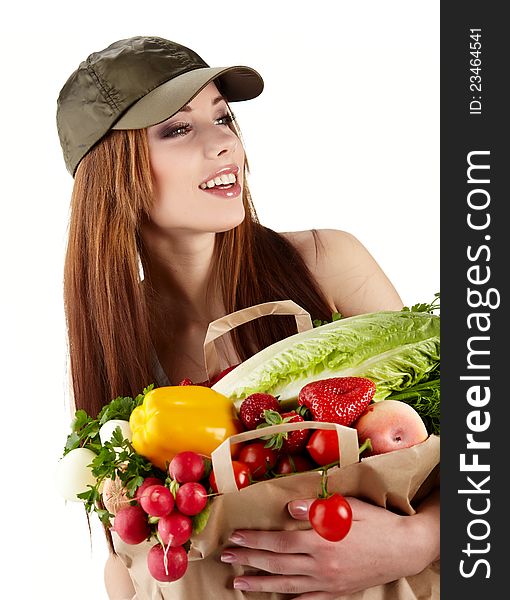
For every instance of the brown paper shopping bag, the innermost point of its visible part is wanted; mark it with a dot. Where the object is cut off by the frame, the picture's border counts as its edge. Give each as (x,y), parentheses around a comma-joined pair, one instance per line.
(396,480)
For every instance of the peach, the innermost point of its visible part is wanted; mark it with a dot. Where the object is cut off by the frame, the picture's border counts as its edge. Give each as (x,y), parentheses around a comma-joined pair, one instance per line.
(390,425)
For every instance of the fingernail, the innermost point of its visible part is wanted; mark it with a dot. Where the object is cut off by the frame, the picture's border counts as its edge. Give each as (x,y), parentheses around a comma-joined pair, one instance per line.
(298,508)
(237,538)
(241,584)
(228,557)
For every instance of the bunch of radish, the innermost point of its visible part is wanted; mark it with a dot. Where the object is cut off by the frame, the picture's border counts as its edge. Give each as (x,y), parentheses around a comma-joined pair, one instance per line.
(165,512)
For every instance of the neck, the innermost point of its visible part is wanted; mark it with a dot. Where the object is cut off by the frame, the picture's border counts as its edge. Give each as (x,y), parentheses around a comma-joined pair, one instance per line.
(179,270)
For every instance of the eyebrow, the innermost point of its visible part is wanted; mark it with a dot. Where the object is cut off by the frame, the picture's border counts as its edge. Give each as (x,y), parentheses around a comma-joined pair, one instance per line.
(188,108)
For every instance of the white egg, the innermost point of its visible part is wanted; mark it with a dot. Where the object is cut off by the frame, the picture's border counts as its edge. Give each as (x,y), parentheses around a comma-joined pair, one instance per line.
(73,475)
(106,431)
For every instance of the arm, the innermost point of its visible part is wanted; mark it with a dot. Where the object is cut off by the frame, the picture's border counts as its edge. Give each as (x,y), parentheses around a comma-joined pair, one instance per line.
(117,580)
(382,546)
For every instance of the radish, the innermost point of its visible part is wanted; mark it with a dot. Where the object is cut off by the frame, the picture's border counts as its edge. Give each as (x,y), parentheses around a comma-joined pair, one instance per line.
(146,483)
(156,500)
(191,498)
(175,529)
(167,564)
(131,525)
(186,466)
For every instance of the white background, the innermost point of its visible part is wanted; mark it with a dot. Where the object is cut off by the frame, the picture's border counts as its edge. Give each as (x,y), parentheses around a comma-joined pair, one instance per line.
(345,136)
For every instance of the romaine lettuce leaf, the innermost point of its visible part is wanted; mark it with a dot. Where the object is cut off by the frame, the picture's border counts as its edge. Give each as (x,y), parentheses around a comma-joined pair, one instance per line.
(396,349)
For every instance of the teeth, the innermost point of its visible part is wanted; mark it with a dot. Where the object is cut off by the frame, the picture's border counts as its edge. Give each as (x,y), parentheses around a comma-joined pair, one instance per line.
(221,180)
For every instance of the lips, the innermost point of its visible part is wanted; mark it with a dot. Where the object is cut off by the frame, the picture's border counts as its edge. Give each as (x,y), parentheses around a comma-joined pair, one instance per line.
(232,168)
(231,191)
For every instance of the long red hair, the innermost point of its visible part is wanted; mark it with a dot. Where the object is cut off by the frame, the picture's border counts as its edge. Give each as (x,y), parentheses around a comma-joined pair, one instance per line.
(110,315)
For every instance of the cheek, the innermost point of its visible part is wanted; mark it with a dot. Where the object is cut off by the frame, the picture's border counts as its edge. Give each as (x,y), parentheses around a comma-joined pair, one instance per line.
(173,187)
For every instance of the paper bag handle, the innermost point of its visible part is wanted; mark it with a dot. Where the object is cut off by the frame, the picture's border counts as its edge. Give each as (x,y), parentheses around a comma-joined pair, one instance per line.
(225,324)
(222,460)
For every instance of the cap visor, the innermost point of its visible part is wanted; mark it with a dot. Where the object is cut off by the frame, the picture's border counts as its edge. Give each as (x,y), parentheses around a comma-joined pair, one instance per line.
(238,83)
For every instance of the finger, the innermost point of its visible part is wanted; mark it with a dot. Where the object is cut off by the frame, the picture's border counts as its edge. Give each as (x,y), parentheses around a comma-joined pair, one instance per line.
(298,509)
(279,564)
(289,584)
(282,542)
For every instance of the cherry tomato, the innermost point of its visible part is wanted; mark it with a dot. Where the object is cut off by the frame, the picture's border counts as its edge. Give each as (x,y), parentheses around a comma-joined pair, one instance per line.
(258,458)
(241,473)
(331,517)
(323,446)
(293,464)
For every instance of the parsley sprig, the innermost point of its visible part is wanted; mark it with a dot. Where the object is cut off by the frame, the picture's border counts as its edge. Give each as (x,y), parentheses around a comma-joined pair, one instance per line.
(115,458)
(85,429)
(334,317)
(429,307)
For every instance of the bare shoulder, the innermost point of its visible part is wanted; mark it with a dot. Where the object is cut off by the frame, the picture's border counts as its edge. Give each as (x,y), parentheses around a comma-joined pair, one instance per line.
(347,273)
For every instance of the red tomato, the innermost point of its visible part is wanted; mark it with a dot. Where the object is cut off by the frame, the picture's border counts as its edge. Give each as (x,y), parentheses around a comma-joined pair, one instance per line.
(258,458)
(323,446)
(331,517)
(293,464)
(241,473)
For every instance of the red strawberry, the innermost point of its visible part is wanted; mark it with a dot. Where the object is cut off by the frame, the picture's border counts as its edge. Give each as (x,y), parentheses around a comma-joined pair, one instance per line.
(185,381)
(252,409)
(338,399)
(291,442)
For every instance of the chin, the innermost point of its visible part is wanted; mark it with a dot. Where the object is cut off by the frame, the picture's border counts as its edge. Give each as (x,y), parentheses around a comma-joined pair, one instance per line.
(231,221)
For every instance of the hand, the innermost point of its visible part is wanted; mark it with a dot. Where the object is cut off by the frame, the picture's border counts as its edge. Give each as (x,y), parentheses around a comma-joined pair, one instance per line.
(380,547)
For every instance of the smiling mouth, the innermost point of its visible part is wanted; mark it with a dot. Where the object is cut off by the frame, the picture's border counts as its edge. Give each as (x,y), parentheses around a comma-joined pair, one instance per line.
(223,182)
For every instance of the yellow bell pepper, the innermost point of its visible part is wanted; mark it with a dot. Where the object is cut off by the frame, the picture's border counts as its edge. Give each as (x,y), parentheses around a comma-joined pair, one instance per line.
(172,419)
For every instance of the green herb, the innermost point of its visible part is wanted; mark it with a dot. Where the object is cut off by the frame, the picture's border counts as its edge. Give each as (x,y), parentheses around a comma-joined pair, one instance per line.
(334,317)
(428,307)
(425,398)
(85,429)
(115,459)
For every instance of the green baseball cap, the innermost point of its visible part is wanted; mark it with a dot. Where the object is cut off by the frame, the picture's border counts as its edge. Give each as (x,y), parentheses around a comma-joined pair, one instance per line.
(135,83)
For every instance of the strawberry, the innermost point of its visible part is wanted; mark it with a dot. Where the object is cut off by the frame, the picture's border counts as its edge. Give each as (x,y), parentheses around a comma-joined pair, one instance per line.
(252,409)
(185,381)
(338,399)
(291,442)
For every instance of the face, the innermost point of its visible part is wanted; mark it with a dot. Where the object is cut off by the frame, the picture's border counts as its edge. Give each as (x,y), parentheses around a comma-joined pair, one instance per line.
(187,153)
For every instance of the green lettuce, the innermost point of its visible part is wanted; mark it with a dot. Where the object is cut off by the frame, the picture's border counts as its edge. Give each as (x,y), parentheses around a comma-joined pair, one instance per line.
(397,350)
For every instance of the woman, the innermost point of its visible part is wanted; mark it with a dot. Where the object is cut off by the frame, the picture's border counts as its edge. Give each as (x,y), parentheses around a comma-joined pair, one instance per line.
(164,239)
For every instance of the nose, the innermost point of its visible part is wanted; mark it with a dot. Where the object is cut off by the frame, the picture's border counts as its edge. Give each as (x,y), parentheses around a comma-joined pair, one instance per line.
(220,141)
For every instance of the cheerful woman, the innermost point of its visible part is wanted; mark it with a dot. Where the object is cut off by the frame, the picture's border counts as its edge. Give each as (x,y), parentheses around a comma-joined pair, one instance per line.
(164,239)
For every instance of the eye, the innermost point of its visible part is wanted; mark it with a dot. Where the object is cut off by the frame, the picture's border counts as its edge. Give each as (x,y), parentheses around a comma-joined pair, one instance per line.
(177,130)
(181,129)
(228,118)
